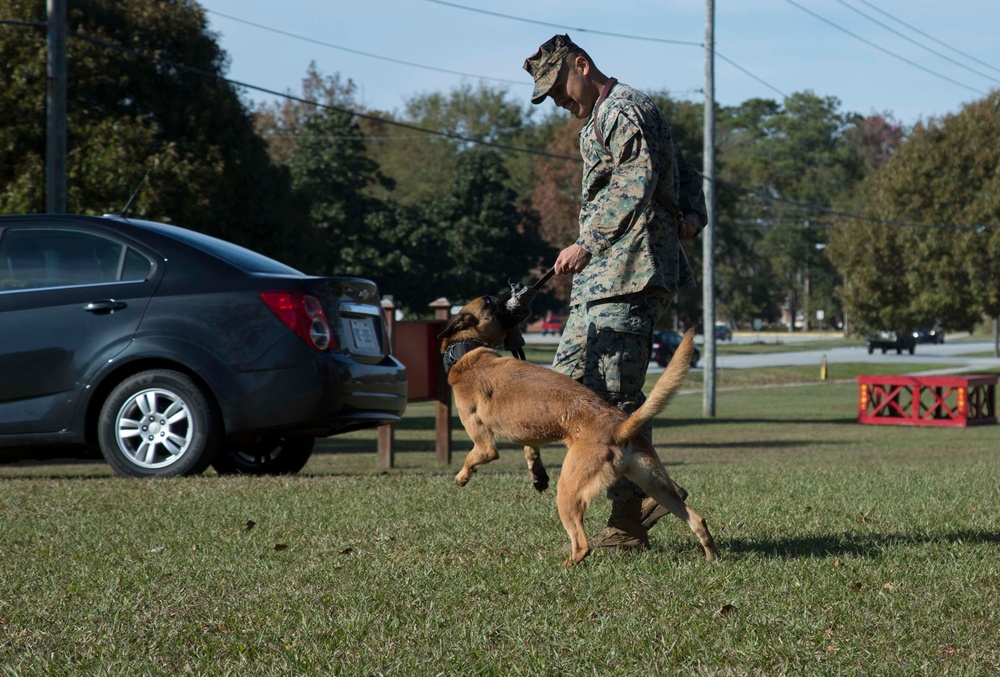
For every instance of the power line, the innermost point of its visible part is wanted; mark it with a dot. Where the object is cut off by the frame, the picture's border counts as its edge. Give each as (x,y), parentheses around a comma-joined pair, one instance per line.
(930,37)
(917,42)
(762,196)
(367,54)
(563,27)
(374,118)
(884,50)
(625,36)
(33,24)
(739,67)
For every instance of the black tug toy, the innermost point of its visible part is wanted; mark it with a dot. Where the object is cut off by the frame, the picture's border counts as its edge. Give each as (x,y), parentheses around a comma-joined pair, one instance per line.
(518,309)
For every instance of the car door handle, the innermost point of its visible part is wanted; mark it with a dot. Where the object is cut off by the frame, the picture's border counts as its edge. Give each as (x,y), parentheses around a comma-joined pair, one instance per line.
(105,307)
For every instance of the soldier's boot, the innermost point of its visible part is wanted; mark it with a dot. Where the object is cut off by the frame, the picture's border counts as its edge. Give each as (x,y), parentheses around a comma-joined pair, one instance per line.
(625,530)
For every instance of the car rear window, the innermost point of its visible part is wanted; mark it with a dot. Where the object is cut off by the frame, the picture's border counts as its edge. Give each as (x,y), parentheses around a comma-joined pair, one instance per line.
(241,257)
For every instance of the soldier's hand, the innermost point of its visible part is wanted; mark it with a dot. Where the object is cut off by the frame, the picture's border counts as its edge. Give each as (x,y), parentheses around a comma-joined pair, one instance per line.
(572,259)
(688,227)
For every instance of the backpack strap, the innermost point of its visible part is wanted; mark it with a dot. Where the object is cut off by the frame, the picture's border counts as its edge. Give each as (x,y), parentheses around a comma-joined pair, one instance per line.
(604,94)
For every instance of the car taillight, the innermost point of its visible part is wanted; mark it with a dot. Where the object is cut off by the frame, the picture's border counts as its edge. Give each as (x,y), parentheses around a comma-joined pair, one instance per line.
(303,314)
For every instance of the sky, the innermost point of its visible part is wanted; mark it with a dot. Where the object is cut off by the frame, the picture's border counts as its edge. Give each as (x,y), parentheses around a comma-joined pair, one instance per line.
(893,57)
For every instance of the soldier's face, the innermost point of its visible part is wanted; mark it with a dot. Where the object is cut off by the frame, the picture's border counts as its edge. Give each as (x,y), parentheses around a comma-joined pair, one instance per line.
(572,90)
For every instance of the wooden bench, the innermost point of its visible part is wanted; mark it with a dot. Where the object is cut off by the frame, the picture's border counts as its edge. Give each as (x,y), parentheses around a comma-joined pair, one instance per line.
(956,401)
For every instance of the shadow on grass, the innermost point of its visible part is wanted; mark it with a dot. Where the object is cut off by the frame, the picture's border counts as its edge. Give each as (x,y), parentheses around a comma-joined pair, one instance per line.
(846,544)
(708,422)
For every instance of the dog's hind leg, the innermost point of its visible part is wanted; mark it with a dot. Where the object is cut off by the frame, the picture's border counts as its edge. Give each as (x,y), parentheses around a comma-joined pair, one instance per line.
(539,478)
(646,470)
(585,473)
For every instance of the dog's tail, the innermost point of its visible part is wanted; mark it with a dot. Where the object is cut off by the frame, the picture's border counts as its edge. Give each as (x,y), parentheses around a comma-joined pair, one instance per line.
(669,383)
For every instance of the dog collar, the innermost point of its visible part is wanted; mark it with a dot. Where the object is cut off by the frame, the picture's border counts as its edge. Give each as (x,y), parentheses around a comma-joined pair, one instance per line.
(458,350)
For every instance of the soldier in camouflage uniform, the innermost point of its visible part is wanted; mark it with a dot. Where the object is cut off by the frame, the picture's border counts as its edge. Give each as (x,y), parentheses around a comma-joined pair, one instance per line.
(640,199)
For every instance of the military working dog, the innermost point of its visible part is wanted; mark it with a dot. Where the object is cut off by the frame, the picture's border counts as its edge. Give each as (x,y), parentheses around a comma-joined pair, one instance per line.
(504,397)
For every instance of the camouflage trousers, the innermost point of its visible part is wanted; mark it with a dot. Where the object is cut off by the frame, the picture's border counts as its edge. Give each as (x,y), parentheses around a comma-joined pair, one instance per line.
(606,345)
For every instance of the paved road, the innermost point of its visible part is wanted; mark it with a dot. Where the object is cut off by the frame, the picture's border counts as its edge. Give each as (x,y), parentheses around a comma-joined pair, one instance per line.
(943,358)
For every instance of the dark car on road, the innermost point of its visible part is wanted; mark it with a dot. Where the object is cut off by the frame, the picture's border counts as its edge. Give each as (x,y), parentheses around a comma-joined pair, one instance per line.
(929,335)
(167,351)
(665,343)
(722,332)
(891,340)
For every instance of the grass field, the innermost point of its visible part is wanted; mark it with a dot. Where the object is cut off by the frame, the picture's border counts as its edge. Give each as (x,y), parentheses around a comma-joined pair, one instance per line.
(846,549)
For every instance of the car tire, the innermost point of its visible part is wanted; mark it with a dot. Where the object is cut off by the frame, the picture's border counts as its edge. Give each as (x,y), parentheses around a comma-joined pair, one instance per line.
(885,350)
(269,456)
(913,349)
(871,350)
(180,424)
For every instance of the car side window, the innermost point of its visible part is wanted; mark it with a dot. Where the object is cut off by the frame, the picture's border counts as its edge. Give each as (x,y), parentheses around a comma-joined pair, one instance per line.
(33,258)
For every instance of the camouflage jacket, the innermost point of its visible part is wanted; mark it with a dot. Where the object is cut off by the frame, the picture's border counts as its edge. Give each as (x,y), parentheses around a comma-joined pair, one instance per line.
(632,194)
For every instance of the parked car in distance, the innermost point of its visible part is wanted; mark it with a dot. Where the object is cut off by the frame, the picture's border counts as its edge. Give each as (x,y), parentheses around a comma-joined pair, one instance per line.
(167,351)
(665,342)
(722,332)
(891,340)
(929,334)
(552,325)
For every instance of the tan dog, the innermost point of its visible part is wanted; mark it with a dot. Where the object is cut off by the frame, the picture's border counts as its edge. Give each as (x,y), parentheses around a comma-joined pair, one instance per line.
(503,397)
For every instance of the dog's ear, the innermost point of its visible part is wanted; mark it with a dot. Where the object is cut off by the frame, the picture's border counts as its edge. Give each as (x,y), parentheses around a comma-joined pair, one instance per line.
(463,320)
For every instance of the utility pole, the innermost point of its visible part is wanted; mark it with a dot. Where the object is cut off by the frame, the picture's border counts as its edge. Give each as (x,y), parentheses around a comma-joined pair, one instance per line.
(708,235)
(55,111)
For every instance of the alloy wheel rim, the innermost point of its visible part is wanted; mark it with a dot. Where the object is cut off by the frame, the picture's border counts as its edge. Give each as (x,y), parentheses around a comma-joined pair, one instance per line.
(154,428)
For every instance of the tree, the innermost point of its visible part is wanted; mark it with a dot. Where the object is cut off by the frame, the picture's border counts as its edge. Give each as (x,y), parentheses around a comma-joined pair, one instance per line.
(795,158)
(331,173)
(556,195)
(420,163)
(278,123)
(134,103)
(487,240)
(945,180)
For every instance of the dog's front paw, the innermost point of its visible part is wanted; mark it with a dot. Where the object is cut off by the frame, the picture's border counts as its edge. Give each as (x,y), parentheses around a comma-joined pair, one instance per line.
(462,478)
(540,481)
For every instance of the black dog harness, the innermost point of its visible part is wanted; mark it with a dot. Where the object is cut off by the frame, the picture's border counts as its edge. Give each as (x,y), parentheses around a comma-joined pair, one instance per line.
(459,349)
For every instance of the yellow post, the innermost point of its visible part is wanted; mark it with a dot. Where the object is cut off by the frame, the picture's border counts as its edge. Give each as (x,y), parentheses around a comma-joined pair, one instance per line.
(822,369)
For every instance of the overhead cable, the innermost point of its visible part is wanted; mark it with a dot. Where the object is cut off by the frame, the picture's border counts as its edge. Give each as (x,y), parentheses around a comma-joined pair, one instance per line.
(763,196)
(563,27)
(609,34)
(917,42)
(339,109)
(367,54)
(884,50)
(930,37)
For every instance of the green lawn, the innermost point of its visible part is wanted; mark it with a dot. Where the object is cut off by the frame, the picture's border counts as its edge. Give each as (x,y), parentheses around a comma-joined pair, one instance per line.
(846,549)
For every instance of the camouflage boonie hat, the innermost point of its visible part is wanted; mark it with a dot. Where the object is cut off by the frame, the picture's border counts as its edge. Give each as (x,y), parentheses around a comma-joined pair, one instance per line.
(544,65)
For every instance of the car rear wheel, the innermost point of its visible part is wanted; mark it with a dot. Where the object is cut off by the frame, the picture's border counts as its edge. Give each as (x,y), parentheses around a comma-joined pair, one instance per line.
(158,423)
(268,456)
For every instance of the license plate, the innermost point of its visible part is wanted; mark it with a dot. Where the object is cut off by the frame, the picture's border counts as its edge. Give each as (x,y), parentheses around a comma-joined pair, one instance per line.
(363,330)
